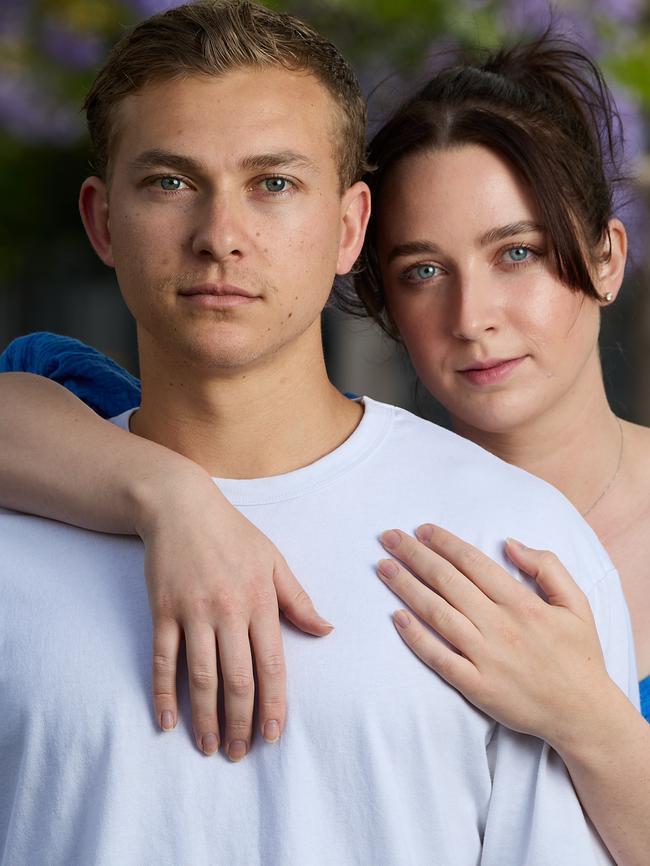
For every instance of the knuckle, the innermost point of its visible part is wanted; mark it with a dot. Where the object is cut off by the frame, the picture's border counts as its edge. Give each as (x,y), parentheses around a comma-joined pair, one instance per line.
(415,637)
(163,665)
(204,723)
(441,615)
(547,559)
(271,707)
(202,678)
(272,666)
(239,683)
(300,599)
(472,558)
(162,607)
(238,727)
(163,696)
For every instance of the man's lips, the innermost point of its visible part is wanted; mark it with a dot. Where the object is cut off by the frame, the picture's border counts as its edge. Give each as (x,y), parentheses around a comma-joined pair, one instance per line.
(490,371)
(218,295)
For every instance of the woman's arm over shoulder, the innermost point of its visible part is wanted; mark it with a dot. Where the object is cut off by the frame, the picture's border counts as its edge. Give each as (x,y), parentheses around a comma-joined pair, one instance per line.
(59,459)
(95,378)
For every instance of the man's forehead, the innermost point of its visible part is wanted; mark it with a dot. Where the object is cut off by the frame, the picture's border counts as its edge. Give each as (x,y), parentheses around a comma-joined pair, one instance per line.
(283,115)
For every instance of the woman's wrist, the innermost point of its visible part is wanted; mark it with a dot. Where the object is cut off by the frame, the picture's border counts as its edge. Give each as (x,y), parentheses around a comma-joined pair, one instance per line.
(169,483)
(592,734)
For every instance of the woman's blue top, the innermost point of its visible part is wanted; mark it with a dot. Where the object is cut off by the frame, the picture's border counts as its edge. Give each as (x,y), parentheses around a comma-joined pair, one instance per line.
(105,387)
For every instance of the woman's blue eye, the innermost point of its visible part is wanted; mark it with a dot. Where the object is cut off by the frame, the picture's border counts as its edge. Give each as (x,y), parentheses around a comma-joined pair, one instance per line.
(424,272)
(518,254)
(276,184)
(170,184)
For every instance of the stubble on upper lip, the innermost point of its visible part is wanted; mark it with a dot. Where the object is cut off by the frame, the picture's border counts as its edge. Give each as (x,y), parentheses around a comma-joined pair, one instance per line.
(217,290)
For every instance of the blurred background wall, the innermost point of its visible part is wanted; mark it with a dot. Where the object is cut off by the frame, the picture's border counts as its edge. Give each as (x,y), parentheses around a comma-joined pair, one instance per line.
(49,50)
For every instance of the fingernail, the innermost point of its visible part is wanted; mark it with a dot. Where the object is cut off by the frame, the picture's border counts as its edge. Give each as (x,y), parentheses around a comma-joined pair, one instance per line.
(210,743)
(271,731)
(236,750)
(325,622)
(424,532)
(167,720)
(517,544)
(402,618)
(387,568)
(390,538)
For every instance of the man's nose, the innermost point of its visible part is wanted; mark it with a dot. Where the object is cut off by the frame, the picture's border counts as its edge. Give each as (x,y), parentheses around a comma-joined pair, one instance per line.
(476,310)
(218,230)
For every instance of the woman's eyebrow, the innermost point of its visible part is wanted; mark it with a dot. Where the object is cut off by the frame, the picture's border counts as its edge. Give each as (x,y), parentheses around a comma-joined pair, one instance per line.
(413,248)
(507,231)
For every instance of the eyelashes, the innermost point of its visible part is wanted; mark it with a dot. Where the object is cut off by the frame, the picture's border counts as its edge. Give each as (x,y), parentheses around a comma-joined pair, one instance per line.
(424,272)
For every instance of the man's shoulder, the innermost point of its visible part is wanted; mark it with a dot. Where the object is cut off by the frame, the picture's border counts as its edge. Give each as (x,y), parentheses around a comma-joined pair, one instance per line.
(484,499)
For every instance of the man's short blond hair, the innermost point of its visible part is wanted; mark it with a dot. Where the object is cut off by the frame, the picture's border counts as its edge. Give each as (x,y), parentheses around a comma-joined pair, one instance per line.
(214,37)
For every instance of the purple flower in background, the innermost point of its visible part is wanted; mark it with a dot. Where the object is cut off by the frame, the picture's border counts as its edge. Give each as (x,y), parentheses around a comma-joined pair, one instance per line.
(628,204)
(150,7)
(29,113)
(14,15)
(70,47)
(620,11)
(534,16)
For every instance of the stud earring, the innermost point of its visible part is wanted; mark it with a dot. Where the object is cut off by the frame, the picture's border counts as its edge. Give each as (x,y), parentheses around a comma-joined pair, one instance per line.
(608,298)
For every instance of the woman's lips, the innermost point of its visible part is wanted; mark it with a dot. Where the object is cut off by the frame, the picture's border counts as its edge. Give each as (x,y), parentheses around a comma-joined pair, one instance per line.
(490,372)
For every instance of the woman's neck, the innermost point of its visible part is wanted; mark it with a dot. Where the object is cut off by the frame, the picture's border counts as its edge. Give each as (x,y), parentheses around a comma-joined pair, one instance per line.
(578,448)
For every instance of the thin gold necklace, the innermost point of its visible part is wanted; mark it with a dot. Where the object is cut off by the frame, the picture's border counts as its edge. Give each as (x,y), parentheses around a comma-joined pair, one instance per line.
(614,476)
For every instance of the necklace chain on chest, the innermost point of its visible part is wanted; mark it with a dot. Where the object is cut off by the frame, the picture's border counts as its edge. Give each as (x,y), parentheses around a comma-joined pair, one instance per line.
(611,481)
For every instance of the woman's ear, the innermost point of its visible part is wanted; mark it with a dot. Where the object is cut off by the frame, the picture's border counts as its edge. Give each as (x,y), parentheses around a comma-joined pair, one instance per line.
(93,207)
(612,269)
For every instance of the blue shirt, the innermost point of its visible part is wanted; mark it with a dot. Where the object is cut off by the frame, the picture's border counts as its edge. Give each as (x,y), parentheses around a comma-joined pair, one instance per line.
(97,380)
(105,387)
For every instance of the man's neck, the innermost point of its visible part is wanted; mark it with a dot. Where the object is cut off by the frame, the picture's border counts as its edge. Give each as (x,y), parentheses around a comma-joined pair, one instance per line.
(269,419)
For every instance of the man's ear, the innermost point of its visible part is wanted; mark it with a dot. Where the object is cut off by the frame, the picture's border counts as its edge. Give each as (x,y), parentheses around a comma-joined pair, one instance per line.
(355,213)
(611,271)
(93,207)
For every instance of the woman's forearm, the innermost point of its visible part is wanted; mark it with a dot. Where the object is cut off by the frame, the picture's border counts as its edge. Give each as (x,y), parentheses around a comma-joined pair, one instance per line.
(609,762)
(59,459)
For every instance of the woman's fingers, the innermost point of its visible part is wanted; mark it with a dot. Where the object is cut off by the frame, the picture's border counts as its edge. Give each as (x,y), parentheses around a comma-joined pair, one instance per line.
(166,641)
(266,641)
(550,575)
(238,687)
(445,619)
(200,646)
(493,580)
(295,604)
(457,670)
(435,571)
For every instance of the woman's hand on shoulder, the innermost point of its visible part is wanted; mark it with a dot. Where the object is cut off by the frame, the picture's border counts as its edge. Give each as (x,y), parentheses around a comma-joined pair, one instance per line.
(532,664)
(216,580)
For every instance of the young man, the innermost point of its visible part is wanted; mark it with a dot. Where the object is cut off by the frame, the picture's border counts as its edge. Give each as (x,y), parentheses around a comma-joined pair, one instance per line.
(229,142)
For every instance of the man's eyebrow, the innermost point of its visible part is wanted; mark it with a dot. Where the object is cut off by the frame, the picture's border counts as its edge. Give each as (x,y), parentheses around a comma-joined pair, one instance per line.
(279,159)
(413,248)
(503,232)
(156,158)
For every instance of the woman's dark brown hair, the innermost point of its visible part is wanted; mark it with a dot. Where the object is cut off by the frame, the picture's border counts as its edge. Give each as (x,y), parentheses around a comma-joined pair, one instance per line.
(544,107)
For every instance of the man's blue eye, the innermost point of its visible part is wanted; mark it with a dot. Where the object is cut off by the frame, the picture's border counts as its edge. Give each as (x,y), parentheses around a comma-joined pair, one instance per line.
(170,183)
(276,184)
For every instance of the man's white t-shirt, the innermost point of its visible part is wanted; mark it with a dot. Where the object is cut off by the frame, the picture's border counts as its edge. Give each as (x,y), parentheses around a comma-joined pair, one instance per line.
(381,764)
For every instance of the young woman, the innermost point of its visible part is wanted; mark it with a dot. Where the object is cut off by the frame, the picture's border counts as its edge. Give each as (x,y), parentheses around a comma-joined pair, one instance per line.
(491,254)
